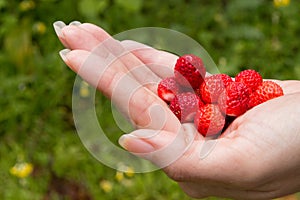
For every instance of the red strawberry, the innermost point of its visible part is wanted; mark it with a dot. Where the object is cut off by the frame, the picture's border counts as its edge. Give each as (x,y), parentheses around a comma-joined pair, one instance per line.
(268,90)
(213,86)
(189,71)
(250,78)
(209,120)
(167,89)
(234,100)
(185,105)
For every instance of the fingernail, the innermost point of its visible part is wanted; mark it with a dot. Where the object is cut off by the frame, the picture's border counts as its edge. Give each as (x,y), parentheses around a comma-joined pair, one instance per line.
(58,25)
(63,54)
(75,23)
(134,144)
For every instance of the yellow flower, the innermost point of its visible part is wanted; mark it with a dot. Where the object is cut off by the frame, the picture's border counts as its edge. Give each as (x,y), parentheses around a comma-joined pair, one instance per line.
(106,186)
(39,27)
(129,172)
(21,170)
(27,5)
(84,89)
(281,3)
(119,176)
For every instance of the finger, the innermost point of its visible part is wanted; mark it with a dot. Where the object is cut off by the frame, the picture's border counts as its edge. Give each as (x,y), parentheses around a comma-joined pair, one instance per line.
(200,160)
(58,26)
(78,38)
(100,34)
(141,105)
(110,46)
(95,31)
(161,147)
(177,153)
(139,70)
(160,62)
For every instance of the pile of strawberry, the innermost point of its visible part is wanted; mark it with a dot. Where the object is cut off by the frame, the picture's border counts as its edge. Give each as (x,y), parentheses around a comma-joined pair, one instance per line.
(212,102)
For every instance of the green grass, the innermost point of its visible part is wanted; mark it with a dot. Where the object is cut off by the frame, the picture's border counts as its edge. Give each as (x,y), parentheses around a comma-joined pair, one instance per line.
(36,122)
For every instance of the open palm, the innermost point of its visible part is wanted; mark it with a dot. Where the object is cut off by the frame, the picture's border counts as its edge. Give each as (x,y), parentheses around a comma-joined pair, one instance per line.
(257,157)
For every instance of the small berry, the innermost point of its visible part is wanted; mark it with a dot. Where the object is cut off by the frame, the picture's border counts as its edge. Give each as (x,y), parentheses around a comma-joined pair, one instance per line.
(213,86)
(185,105)
(189,71)
(268,90)
(209,120)
(167,89)
(234,100)
(250,78)
(212,102)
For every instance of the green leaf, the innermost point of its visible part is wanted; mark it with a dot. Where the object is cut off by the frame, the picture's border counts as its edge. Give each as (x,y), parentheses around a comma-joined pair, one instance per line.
(130,5)
(244,32)
(2,3)
(245,4)
(91,8)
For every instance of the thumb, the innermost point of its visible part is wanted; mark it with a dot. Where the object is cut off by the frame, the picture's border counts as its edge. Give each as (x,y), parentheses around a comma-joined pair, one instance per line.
(159,146)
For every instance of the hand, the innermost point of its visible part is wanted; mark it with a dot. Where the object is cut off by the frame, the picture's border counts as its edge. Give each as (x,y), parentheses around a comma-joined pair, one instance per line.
(257,157)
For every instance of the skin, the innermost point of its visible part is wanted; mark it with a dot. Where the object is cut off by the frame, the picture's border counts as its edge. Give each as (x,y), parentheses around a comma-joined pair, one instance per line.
(257,157)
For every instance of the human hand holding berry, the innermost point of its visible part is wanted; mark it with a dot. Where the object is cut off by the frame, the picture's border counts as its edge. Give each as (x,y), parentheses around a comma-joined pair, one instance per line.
(257,157)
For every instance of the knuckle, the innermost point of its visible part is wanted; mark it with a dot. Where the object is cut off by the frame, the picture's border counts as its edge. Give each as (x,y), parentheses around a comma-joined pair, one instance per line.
(175,173)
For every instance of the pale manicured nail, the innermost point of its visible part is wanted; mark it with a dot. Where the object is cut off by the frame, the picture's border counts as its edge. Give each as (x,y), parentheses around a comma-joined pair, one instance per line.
(134,144)
(75,23)
(63,54)
(58,25)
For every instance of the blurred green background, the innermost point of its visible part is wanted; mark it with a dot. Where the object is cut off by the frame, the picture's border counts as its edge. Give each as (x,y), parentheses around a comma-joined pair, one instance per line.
(41,156)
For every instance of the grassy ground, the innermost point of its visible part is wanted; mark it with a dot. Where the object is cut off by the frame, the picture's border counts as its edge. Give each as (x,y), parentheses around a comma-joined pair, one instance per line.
(41,154)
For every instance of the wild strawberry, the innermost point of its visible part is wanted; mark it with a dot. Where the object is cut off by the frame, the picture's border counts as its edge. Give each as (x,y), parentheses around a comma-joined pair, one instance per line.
(189,71)
(234,99)
(213,86)
(167,89)
(250,78)
(185,105)
(209,120)
(268,90)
